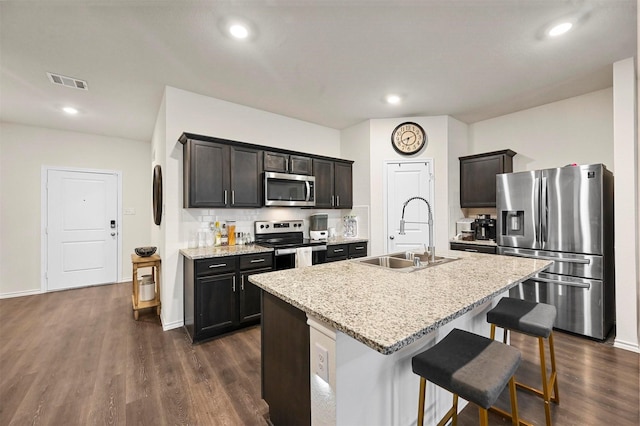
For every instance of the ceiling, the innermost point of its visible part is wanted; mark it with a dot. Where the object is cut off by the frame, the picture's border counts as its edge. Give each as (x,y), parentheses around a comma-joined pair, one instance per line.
(327,62)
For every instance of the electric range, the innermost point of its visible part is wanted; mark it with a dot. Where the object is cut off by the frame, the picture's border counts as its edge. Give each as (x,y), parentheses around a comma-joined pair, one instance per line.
(285,236)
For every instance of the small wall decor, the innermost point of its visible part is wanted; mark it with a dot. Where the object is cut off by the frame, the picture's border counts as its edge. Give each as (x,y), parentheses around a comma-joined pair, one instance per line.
(157,194)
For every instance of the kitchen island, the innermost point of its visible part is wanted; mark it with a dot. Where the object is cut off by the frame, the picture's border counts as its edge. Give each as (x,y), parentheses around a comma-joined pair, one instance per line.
(347,331)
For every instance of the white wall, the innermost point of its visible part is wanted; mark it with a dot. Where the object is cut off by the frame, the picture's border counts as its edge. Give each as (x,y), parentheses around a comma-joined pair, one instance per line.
(625,148)
(458,146)
(575,130)
(25,149)
(355,146)
(189,112)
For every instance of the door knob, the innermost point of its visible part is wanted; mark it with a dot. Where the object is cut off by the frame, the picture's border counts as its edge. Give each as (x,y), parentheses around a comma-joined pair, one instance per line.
(392,237)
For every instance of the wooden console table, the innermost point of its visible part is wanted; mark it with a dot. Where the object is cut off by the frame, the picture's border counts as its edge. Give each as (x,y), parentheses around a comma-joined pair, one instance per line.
(152,262)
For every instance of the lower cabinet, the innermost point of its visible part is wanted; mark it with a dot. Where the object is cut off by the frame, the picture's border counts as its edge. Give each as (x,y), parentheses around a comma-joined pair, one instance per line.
(218,297)
(474,248)
(336,252)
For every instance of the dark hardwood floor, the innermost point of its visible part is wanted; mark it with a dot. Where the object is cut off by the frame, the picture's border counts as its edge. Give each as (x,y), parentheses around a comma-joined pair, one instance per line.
(77,357)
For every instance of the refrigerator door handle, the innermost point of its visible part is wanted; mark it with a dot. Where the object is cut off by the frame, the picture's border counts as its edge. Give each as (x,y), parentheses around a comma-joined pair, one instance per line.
(550,281)
(555,259)
(544,211)
(536,203)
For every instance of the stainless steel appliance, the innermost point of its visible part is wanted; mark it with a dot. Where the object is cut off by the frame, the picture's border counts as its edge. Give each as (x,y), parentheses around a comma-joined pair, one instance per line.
(285,237)
(288,190)
(318,229)
(485,227)
(564,215)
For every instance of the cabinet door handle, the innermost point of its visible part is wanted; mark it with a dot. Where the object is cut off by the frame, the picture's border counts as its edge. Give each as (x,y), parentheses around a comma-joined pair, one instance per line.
(233,197)
(258,260)
(338,250)
(471,250)
(337,201)
(217,265)
(332,201)
(234,284)
(225,197)
(359,247)
(242,283)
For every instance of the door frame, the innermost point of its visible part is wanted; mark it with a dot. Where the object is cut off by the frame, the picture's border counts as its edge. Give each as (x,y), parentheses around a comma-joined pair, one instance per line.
(44,208)
(385,197)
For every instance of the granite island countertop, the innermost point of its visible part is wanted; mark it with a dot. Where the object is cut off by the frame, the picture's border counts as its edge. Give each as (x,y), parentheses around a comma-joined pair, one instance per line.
(387,310)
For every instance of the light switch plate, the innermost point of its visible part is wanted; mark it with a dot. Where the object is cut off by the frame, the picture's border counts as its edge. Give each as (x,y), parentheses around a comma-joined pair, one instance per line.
(130,210)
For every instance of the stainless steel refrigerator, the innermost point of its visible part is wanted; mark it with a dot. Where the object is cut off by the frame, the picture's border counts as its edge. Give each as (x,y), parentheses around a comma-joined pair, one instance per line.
(564,215)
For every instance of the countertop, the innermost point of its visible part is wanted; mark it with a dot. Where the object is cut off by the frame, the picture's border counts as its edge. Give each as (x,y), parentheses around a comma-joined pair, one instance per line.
(387,310)
(221,251)
(475,242)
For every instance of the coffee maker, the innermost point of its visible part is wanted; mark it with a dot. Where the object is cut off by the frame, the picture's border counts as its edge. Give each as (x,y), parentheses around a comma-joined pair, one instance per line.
(485,227)
(318,226)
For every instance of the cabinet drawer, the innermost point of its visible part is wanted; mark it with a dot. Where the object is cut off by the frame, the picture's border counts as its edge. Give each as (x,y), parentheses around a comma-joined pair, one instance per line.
(357,249)
(475,248)
(216,265)
(260,260)
(338,250)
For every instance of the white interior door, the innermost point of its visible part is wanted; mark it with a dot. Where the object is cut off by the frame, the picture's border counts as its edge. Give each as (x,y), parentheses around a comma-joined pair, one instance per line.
(82,229)
(406,180)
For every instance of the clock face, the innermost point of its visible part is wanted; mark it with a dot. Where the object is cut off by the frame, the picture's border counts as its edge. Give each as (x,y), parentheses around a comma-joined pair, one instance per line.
(408,138)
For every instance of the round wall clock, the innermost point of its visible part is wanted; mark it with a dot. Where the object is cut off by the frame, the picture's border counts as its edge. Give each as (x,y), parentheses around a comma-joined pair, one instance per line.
(408,138)
(157,194)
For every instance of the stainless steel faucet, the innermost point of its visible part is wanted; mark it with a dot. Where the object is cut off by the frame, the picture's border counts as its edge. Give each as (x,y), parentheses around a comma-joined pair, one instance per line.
(432,248)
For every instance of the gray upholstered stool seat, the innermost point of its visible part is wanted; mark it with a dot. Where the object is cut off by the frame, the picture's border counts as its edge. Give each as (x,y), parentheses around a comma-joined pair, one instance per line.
(470,366)
(533,319)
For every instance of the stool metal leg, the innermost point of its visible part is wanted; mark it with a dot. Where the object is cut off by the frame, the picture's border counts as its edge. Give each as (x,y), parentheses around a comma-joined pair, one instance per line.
(545,383)
(554,374)
(514,401)
(423,384)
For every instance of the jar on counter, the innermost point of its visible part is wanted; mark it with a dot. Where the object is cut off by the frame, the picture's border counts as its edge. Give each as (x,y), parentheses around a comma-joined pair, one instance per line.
(231,232)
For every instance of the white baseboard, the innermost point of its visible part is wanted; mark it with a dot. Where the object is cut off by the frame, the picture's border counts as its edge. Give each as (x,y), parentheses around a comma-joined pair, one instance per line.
(20,293)
(633,347)
(166,326)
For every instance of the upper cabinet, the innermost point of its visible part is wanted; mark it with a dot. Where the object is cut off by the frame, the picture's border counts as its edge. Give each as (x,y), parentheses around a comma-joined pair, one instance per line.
(287,163)
(224,173)
(334,184)
(220,175)
(478,177)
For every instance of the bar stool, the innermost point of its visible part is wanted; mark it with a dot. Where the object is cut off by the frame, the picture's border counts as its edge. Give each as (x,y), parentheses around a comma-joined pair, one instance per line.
(470,366)
(533,319)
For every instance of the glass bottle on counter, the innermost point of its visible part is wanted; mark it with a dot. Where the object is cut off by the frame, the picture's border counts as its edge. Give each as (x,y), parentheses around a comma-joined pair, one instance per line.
(231,231)
(217,235)
(224,238)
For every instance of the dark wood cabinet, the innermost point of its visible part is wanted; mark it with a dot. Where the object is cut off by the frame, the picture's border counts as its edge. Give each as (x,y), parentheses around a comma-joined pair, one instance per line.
(220,175)
(478,177)
(474,248)
(334,184)
(287,163)
(218,297)
(337,252)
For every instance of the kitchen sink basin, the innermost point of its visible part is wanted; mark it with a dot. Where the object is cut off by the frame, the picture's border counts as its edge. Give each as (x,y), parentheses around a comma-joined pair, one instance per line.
(399,261)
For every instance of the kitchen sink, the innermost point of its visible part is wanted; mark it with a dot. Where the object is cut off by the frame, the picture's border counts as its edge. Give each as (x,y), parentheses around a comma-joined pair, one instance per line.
(399,261)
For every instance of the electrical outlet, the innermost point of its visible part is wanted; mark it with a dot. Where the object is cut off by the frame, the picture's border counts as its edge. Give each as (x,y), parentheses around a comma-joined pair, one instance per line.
(322,363)
(129,210)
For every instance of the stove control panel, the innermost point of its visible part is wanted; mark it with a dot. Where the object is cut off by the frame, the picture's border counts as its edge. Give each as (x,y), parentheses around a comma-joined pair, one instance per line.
(278,226)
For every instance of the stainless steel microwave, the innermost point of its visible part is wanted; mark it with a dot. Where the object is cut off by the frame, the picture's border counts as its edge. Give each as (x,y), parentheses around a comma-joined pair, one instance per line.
(282,189)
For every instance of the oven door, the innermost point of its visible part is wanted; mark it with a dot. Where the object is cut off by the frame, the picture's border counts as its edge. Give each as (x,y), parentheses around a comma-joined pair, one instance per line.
(281,189)
(286,258)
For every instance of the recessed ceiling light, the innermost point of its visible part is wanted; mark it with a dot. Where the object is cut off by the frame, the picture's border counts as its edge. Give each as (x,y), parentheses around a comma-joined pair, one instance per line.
(70,110)
(560,29)
(239,31)
(393,99)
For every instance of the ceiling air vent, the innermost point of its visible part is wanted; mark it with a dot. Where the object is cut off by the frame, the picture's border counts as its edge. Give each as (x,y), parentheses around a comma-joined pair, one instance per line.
(67,81)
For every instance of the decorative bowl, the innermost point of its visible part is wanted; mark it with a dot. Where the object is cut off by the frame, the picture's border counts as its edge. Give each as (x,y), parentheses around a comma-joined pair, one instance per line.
(145,251)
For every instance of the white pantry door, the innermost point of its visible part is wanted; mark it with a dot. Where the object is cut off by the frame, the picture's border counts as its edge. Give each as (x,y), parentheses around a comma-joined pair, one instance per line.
(82,229)
(406,180)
